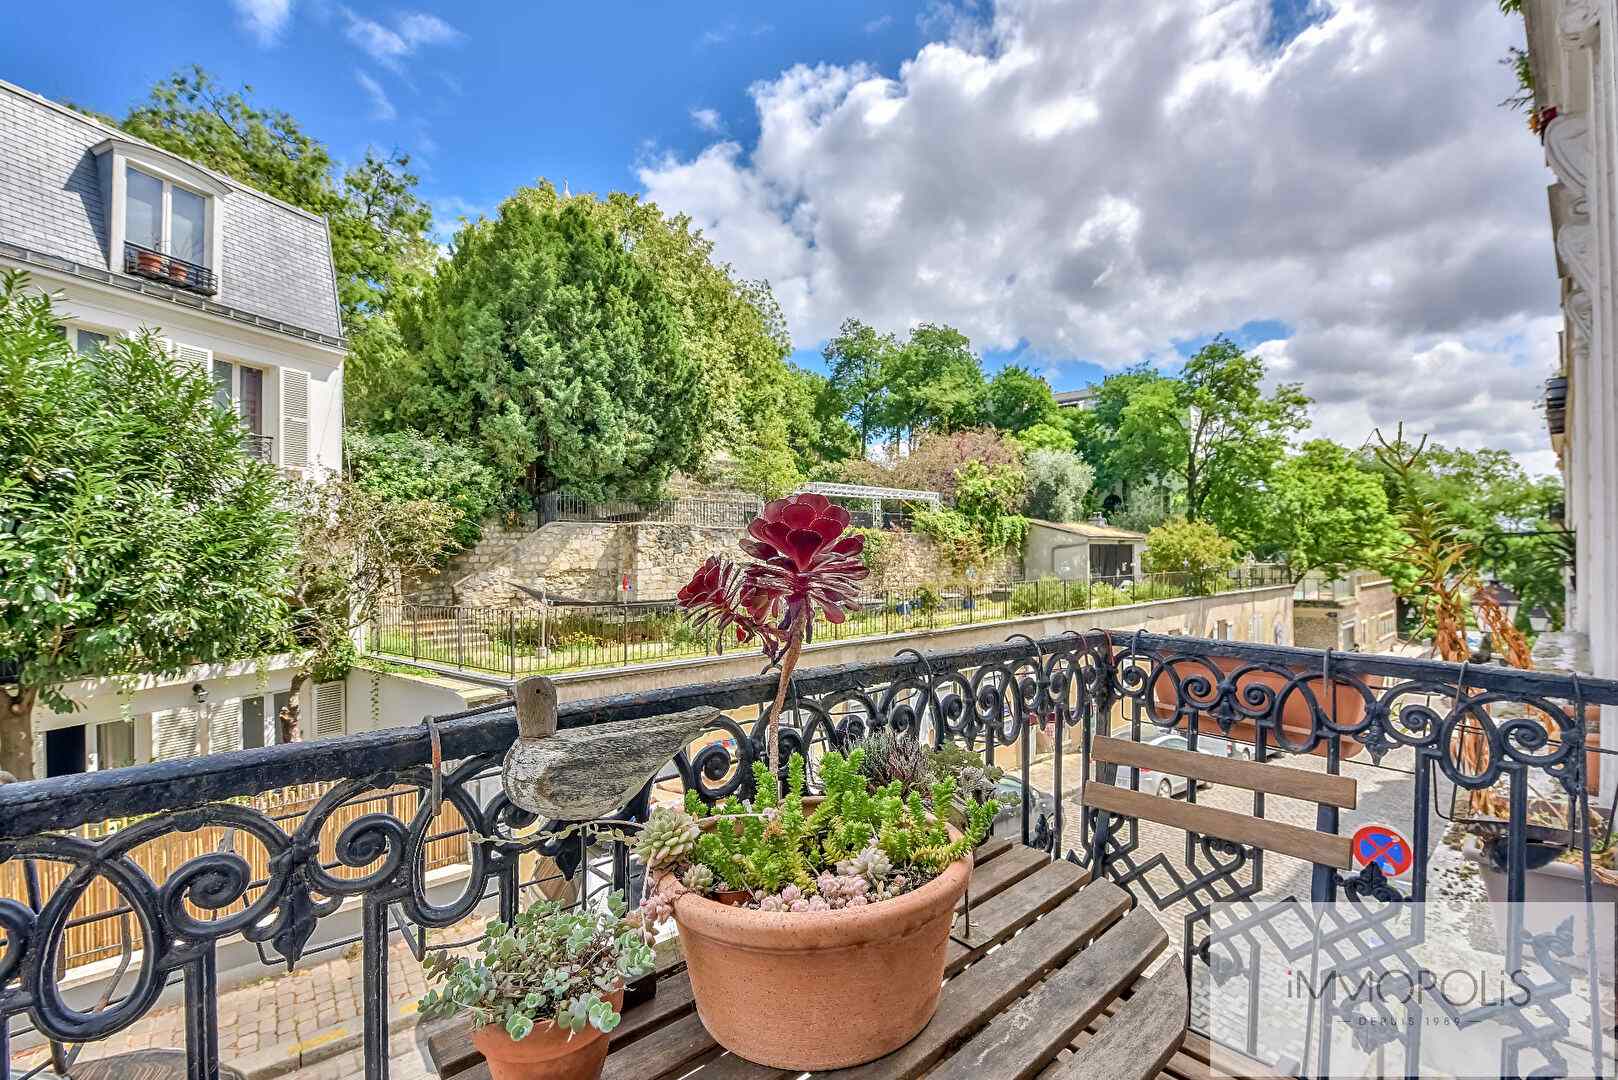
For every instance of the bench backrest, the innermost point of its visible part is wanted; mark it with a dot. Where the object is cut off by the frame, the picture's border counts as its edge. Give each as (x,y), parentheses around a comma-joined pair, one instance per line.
(1310,845)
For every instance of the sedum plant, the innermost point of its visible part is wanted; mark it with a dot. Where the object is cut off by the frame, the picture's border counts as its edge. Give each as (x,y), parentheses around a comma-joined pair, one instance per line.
(552,963)
(860,845)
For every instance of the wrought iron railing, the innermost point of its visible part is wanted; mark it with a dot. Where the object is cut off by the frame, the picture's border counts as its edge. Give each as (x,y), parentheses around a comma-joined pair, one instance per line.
(260,448)
(169,269)
(1000,699)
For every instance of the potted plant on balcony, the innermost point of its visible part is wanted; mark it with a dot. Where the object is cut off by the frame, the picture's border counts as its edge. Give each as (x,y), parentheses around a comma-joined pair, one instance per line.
(149,263)
(822,899)
(543,992)
(179,273)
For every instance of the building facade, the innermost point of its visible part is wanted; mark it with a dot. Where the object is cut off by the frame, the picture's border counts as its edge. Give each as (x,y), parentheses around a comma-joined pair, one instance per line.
(1573,51)
(128,237)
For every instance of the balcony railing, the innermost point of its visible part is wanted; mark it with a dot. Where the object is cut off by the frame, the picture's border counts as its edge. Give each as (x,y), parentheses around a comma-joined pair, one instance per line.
(260,448)
(146,263)
(1401,714)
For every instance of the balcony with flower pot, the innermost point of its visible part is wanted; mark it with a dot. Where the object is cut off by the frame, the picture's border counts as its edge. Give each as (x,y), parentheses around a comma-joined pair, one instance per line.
(169,269)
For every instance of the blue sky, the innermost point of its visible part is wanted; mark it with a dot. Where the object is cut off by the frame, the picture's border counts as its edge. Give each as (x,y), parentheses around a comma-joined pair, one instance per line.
(1076,184)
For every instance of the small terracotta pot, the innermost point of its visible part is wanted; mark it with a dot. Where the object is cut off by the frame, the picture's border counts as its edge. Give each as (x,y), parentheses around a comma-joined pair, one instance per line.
(547,1053)
(889,953)
(179,274)
(149,262)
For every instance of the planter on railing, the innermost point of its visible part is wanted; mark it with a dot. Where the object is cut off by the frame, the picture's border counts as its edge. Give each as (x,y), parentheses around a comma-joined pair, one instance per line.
(1301,693)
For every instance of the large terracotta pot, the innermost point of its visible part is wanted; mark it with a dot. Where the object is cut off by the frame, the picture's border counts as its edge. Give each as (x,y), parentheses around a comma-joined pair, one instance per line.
(778,988)
(1347,706)
(547,1053)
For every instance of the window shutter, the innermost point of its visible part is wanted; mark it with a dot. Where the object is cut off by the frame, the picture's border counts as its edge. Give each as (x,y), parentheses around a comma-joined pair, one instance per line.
(225,727)
(330,710)
(294,418)
(193,356)
(174,734)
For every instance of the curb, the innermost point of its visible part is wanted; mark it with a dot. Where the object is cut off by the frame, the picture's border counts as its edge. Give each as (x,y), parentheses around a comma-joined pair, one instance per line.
(283,1058)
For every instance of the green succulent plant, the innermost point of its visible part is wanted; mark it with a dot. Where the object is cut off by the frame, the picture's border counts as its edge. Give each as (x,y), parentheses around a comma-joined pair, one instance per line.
(777,841)
(550,963)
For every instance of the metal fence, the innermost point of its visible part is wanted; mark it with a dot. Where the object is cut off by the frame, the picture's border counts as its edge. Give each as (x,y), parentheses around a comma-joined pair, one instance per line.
(554,637)
(996,700)
(704,512)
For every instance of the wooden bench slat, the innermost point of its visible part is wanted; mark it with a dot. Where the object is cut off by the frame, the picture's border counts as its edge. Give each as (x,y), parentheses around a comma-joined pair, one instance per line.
(1306,844)
(1141,1038)
(1271,779)
(992,880)
(995,920)
(992,848)
(1022,1040)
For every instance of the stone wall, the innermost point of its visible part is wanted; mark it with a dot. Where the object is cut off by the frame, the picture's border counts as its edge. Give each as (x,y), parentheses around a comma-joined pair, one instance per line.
(910,559)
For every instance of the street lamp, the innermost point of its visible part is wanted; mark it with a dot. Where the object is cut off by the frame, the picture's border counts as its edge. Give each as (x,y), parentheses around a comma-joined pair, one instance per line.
(1539,620)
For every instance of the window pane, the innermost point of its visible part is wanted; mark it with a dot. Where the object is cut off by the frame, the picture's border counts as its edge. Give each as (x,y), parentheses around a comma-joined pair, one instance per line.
(187,229)
(252,722)
(221,384)
(90,342)
(250,403)
(115,744)
(143,212)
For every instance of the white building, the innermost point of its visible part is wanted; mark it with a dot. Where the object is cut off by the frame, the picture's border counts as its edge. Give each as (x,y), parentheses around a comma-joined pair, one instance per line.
(132,236)
(1573,46)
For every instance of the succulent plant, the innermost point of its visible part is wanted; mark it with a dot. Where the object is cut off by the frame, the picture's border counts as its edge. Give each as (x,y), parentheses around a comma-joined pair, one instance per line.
(668,836)
(698,877)
(549,964)
(892,754)
(872,865)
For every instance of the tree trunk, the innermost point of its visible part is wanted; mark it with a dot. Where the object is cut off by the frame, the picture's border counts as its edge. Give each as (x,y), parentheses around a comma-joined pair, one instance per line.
(286,721)
(17,734)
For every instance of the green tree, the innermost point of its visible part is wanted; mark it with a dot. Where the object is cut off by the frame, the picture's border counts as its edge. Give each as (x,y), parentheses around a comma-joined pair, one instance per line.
(1144,456)
(1058,482)
(766,466)
(1017,399)
(858,360)
(546,344)
(379,225)
(1046,436)
(1324,513)
(1193,548)
(136,536)
(355,546)
(1212,426)
(936,460)
(933,383)
(986,522)
(407,466)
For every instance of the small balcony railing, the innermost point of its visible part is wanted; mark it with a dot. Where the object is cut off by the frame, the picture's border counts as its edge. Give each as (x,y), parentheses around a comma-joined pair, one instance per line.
(260,448)
(146,263)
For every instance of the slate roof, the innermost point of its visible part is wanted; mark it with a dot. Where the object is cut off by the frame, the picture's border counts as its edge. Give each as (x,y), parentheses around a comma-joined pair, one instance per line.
(277,258)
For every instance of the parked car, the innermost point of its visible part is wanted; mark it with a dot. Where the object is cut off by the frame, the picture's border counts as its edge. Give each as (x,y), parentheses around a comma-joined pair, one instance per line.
(1041,811)
(1163,784)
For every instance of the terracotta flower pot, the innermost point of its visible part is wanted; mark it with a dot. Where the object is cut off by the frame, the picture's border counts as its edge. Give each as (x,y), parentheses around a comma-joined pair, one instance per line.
(889,953)
(179,274)
(547,1053)
(149,262)
(1347,706)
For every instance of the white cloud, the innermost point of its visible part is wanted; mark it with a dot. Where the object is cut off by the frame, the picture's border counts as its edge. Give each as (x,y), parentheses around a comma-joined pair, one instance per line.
(381,107)
(708,119)
(388,45)
(879,24)
(266,20)
(1106,178)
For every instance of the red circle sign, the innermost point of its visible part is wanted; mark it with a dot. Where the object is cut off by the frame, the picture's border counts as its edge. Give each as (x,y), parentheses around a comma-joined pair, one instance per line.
(1382,845)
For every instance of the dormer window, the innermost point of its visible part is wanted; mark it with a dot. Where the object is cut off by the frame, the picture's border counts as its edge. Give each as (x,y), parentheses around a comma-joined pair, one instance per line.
(165,219)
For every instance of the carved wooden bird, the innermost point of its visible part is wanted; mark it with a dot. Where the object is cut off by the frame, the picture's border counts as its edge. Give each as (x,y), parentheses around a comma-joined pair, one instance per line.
(587,773)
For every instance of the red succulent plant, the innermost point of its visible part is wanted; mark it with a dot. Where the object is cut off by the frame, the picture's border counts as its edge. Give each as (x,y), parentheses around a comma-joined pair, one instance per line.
(805,564)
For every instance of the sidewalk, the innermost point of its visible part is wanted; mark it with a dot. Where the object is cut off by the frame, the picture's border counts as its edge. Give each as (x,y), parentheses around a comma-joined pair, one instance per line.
(303,1025)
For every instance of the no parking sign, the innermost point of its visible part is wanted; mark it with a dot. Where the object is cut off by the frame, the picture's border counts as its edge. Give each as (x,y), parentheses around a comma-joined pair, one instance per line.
(1383,845)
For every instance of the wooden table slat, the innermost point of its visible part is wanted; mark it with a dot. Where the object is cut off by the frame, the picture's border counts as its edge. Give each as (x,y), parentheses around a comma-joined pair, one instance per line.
(996,919)
(998,876)
(992,848)
(1141,1038)
(980,992)
(1021,1041)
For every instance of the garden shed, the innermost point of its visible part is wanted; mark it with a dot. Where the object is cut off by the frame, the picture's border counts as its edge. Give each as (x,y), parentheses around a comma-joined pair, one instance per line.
(1080,549)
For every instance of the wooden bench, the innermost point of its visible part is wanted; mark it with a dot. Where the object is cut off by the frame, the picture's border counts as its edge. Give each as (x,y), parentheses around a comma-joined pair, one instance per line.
(1310,845)
(1053,972)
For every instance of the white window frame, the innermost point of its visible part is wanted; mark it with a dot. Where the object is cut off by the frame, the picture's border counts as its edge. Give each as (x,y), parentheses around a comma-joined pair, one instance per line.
(166,240)
(269,409)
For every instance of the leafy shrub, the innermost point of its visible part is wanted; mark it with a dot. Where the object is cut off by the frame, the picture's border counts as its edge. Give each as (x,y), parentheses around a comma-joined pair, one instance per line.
(551,963)
(1191,548)
(1058,482)
(1040,597)
(408,465)
(928,600)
